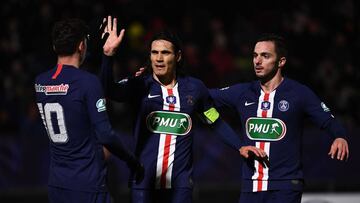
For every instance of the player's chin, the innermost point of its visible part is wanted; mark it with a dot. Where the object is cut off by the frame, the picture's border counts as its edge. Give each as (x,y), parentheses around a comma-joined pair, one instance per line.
(260,75)
(160,73)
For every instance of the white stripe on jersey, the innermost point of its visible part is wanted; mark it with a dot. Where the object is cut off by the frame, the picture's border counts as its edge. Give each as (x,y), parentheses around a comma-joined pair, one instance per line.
(162,143)
(160,159)
(261,174)
(176,94)
(170,161)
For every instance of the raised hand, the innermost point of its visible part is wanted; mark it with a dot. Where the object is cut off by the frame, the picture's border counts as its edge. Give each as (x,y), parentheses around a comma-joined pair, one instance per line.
(113,39)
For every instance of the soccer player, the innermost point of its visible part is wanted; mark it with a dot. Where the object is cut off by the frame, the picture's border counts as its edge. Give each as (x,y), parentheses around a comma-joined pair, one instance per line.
(272,111)
(167,103)
(73,110)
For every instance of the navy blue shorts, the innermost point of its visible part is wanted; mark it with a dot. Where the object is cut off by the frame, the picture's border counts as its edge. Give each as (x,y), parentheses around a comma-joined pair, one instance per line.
(176,195)
(273,196)
(61,195)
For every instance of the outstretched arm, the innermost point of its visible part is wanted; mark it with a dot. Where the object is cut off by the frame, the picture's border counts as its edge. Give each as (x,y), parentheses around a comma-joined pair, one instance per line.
(112,142)
(230,138)
(113,90)
(225,97)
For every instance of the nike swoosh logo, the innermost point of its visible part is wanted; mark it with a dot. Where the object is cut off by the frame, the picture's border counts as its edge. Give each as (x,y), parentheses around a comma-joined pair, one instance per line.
(153,96)
(248,104)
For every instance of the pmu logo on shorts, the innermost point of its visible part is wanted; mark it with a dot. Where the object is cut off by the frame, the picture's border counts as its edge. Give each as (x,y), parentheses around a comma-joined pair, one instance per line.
(171,99)
(61,89)
(268,129)
(167,122)
(265,105)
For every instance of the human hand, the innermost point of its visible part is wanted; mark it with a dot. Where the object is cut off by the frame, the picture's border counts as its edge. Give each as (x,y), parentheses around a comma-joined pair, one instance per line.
(252,152)
(107,154)
(138,171)
(339,149)
(96,38)
(140,71)
(113,39)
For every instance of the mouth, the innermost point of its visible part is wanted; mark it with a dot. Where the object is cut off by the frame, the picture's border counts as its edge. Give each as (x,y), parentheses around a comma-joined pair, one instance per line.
(159,66)
(259,68)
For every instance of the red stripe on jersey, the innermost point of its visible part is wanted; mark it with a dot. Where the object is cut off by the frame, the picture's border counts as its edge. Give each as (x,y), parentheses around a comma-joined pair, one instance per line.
(166,148)
(171,106)
(58,71)
(262,146)
(261,169)
(264,112)
(165,161)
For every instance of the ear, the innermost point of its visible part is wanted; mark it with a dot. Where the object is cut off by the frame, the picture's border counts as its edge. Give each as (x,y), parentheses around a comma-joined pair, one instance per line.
(281,62)
(81,46)
(178,56)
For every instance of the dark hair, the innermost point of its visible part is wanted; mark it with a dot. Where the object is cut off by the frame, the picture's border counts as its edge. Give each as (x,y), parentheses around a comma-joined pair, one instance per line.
(67,34)
(175,41)
(279,42)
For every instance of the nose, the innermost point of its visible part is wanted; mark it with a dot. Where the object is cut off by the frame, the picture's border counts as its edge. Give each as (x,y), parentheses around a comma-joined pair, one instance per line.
(159,57)
(257,60)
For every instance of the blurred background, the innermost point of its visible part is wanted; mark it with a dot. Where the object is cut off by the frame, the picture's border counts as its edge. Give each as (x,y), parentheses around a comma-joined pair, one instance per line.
(323,39)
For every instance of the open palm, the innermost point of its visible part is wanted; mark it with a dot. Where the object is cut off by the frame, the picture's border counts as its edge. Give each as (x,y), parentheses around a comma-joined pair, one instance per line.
(113,40)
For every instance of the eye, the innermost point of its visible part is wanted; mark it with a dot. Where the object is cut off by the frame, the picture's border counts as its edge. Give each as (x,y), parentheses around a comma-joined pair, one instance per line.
(266,56)
(166,52)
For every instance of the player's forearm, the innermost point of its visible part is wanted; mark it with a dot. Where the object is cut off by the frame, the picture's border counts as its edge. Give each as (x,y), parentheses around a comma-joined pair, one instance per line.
(106,75)
(335,129)
(112,141)
(216,96)
(122,91)
(113,90)
(227,134)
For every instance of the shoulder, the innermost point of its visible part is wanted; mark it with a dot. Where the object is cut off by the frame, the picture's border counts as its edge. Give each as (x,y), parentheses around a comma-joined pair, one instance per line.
(297,86)
(242,86)
(192,80)
(238,88)
(44,76)
(299,91)
(86,79)
(190,83)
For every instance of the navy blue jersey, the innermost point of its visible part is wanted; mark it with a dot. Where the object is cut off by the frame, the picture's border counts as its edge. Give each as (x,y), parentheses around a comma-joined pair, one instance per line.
(163,127)
(165,153)
(274,122)
(71,104)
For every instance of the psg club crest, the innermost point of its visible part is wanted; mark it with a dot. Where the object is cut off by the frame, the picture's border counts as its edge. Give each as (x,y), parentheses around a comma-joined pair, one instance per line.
(283,105)
(265,105)
(171,99)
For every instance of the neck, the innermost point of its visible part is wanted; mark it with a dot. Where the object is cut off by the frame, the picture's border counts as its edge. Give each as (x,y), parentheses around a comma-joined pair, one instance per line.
(167,82)
(72,60)
(270,85)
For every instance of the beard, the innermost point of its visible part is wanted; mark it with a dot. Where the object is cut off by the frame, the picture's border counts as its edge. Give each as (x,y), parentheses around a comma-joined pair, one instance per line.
(268,76)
